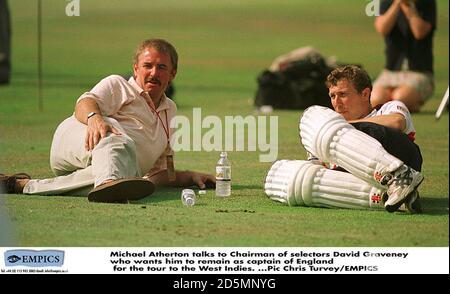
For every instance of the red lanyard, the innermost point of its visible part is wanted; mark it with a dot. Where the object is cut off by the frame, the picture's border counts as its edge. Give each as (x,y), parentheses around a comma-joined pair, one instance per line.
(171,174)
(166,130)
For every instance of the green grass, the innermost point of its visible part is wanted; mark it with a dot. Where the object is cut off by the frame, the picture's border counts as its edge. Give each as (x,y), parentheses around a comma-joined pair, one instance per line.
(223,46)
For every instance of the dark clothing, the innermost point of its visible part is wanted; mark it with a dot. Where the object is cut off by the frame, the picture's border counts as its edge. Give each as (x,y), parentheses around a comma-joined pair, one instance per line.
(394,142)
(5,43)
(401,44)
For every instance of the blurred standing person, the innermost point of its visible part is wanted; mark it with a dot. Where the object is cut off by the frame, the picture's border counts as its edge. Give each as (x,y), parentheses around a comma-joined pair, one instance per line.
(407,27)
(5,43)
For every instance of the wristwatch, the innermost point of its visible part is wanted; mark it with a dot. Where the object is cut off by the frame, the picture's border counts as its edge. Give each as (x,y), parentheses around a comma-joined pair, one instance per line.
(91,114)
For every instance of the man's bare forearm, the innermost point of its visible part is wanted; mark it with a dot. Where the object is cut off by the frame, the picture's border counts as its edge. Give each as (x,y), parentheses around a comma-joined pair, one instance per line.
(384,23)
(419,27)
(84,107)
(183,179)
(394,120)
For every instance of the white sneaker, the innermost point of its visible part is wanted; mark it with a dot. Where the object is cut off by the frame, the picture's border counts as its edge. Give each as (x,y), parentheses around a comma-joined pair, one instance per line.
(403,182)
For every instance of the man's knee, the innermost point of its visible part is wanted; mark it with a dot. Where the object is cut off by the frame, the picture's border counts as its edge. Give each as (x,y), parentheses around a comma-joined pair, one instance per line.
(116,144)
(114,158)
(318,125)
(380,95)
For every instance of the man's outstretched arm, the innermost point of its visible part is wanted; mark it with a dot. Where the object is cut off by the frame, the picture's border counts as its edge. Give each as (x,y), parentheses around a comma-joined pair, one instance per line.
(184,179)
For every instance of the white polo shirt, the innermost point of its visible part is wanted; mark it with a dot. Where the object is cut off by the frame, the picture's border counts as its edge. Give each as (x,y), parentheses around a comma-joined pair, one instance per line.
(126,102)
(397,107)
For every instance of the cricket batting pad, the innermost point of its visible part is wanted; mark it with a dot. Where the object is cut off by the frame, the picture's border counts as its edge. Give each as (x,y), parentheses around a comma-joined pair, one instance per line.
(327,135)
(299,182)
(280,181)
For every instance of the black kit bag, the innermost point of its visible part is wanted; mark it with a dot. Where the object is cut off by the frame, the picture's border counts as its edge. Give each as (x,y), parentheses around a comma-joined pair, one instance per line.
(298,85)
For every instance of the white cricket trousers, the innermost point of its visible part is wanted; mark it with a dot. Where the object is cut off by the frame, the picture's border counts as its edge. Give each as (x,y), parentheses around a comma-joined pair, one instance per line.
(77,170)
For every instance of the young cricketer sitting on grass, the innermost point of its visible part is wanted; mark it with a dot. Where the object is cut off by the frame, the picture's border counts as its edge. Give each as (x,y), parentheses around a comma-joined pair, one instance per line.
(372,159)
(117,141)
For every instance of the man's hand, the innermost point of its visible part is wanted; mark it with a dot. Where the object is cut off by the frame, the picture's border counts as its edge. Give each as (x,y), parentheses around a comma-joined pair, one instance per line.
(203,180)
(97,129)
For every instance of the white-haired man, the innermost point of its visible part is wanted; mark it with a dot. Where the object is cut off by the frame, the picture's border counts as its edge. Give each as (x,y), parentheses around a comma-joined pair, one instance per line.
(372,161)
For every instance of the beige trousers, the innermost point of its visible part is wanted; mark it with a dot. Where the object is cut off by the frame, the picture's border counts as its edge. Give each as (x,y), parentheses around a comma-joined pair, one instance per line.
(77,170)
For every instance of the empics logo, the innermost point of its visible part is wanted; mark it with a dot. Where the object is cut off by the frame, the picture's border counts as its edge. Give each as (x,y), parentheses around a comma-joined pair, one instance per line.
(13,258)
(34,258)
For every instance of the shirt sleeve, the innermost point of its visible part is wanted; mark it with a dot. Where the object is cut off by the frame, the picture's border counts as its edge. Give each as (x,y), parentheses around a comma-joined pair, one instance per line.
(398,107)
(110,94)
(394,106)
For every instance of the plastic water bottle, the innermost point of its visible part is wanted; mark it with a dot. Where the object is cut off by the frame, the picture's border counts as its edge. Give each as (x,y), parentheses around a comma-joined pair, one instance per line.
(223,176)
(188,197)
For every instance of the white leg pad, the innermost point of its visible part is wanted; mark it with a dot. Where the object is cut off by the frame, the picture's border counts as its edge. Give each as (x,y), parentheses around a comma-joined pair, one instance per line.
(298,182)
(343,190)
(304,182)
(276,189)
(280,181)
(327,135)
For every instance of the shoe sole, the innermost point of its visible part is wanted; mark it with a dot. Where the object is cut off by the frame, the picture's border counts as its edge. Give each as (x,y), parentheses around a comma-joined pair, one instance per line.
(414,209)
(122,191)
(394,207)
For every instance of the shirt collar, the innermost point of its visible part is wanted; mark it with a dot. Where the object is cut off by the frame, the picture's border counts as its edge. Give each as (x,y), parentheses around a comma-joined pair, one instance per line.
(163,105)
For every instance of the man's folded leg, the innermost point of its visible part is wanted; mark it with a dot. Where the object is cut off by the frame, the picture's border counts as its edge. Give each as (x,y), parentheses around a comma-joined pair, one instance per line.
(82,181)
(328,136)
(300,182)
(62,185)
